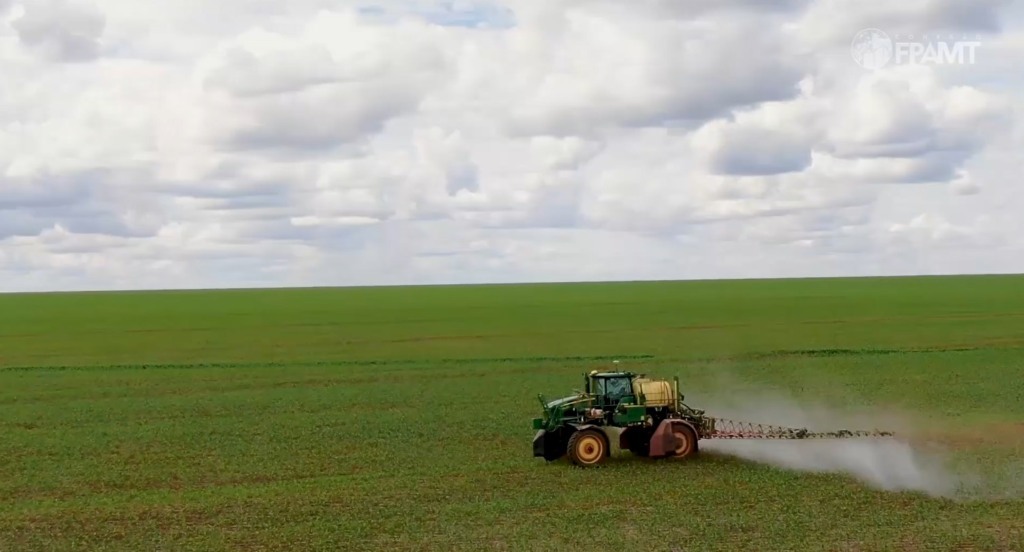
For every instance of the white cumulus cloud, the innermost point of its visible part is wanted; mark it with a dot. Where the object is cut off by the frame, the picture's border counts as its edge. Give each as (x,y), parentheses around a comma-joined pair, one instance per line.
(420,141)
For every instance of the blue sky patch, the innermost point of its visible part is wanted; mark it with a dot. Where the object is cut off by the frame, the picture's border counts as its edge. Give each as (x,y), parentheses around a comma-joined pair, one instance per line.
(448,13)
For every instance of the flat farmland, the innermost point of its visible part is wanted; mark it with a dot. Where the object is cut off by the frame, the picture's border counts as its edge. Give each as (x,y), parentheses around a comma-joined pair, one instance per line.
(399,418)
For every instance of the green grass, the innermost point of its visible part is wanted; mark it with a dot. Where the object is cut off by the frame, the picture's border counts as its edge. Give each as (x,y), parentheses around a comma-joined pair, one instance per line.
(399,418)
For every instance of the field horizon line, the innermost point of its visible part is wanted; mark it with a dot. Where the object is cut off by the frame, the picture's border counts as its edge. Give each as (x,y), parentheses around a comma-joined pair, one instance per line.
(522,283)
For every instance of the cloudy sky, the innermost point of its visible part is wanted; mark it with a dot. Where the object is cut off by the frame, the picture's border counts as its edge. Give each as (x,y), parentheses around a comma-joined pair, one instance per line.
(268,143)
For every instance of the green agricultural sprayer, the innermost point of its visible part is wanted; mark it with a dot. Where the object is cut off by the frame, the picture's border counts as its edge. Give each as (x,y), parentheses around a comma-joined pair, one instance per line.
(647,416)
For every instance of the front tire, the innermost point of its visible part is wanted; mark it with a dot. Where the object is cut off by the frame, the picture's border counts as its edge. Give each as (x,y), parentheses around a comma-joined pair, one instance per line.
(587,448)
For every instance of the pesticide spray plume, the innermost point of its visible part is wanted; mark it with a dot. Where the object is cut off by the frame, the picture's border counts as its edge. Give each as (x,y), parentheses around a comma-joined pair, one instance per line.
(888,463)
(883,464)
(905,462)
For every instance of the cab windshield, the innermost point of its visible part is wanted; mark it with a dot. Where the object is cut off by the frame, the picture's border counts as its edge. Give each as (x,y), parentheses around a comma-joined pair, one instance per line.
(617,387)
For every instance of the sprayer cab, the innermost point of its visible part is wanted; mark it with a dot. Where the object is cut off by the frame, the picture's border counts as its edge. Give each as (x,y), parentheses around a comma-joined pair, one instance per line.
(609,388)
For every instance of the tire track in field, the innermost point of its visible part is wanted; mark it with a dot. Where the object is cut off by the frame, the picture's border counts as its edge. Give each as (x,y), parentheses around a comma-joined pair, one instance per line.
(226,388)
(986,344)
(326,363)
(990,344)
(710,326)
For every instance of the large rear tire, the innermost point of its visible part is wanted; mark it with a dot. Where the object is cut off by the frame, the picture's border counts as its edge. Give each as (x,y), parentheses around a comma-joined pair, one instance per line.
(587,448)
(686,441)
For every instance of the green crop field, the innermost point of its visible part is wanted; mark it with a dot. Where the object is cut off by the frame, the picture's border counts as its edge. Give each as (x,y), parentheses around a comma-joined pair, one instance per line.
(399,418)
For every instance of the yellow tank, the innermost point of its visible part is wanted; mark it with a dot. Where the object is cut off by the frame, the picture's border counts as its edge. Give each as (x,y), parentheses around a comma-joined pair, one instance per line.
(656,392)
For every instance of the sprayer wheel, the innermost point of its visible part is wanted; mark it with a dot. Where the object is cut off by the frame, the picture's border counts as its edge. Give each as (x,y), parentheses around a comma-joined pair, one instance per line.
(587,448)
(686,441)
